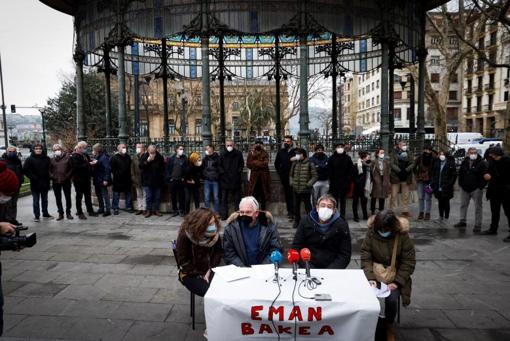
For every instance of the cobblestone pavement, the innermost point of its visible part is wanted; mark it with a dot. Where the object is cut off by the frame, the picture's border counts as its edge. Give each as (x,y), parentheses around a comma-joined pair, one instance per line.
(114,278)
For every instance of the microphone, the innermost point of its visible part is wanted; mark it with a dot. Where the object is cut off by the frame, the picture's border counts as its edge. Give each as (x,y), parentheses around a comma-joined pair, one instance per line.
(306,255)
(293,258)
(276,258)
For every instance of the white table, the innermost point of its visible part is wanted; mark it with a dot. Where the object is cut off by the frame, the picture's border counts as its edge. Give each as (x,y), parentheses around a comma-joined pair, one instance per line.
(240,310)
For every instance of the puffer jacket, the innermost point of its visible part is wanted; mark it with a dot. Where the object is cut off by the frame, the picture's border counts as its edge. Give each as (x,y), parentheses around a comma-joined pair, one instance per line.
(378,249)
(320,161)
(233,243)
(401,167)
(302,176)
(211,164)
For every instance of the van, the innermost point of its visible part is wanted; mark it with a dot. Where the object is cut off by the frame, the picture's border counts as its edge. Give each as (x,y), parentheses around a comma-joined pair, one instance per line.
(463,138)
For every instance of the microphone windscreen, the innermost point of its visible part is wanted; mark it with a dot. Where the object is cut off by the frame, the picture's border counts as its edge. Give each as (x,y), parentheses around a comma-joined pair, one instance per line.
(293,256)
(276,257)
(306,255)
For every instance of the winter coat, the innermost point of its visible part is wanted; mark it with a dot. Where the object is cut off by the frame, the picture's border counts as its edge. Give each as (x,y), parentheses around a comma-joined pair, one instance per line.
(102,170)
(401,168)
(211,164)
(423,169)
(282,162)
(378,249)
(136,174)
(37,169)
(61,169)
(121,172)
(196,260)
(194,173)
(360,179)
(233,242)
(330,250)
(320,161)
(172,161)
(471,174)
(15,165)
(258,163)
(82,171)
(231,167)
(499,184)
(340,174)
(153,172)
(442,182)
(302,176)
(381,186)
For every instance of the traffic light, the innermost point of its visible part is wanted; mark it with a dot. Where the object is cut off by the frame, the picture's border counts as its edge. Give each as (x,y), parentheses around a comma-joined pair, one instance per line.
(13,108)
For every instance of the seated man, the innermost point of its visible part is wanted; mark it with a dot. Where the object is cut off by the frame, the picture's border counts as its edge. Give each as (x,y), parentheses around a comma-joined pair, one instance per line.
(326,235)
(250,235)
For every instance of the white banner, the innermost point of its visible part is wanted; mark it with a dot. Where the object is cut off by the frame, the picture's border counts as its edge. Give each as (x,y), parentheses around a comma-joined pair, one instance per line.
(243,310)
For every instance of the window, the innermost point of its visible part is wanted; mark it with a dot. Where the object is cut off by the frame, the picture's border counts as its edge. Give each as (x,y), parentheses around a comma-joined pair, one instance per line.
(435,40)
(452,95)
(491,81)
(143,128)
(452,114)
(480,83)
(454,79)
(479,64)
(434,77)
(377,84)
(481,43)
(171,127)
(494,36)
(453,40)
(470,85)
(505,96)
(491,102)
(373,101)
(378,99)
(198,125)
(368,89)
(397,114)
(435,60)
(367,103)
(373,86)
(397,94)
(468,109)
(396,79)
(235,106)
(478,103)
(359,93)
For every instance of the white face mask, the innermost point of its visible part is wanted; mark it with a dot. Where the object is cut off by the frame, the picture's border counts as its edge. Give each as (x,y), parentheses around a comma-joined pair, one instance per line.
(4,198)
(442,157)
(340,150)
(58,152)
(138,150)
(180,152)
(123,150)
(298,157)
(381,156)
(404,148)
(325,213)
(473,156)
(229,148)
(198,163)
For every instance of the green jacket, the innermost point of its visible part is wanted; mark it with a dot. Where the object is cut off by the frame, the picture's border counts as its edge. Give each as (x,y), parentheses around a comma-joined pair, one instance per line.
(398,172)
(378,249)
(302,176)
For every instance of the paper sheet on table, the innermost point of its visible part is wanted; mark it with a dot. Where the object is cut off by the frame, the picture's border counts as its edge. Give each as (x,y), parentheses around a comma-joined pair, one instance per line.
(262,271)
(232,273)
(383,291)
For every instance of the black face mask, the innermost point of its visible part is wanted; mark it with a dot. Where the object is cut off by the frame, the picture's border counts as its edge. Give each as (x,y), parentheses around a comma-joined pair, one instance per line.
(245,219)
(286,145)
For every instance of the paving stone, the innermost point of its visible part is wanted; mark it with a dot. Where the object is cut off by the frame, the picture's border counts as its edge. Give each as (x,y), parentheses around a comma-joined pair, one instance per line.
(11,320)
(419,318)
(157,331)
(92,309)
(116,280)
(35,276)
(142,311)
(479,318)
(82,292)
(39,290)
(130,294)
(159,282)
(80,278)
(39,306)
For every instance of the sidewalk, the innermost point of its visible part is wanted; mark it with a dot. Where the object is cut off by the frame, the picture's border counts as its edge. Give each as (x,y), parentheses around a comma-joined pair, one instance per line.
(114,278)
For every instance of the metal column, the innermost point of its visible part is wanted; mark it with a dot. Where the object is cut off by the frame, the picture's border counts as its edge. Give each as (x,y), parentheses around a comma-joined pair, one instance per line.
(334,75)
(304,132)
(108,94)
(385,128)
(121,79)
(164,77)
(206,93)
(278,123)
(80,123)
(221,76)
(422,56)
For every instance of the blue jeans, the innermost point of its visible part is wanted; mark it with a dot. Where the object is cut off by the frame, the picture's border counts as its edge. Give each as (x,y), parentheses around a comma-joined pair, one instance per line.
(425,199)
(103,198)
(43,195)
(214,187)
(152,198)
(116,198)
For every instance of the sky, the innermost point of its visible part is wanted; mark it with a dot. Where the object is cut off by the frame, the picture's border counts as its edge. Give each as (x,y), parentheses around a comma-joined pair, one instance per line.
(36,47)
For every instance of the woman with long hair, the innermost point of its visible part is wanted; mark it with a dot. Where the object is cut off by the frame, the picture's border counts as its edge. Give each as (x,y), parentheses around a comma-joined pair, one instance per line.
(444,175)
(199,249)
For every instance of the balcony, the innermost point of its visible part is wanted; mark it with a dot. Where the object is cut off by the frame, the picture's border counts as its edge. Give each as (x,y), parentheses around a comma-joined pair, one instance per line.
(487,108)
(468,91)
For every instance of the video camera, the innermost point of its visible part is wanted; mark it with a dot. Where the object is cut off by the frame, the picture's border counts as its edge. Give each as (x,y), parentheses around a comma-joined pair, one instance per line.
(17,242)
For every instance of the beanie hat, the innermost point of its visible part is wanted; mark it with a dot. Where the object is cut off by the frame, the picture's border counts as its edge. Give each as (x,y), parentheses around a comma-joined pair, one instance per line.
(194,157)
(9,182)
(497,150)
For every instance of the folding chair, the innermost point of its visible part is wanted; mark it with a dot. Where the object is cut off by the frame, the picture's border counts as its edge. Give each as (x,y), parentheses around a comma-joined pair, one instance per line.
(191,295)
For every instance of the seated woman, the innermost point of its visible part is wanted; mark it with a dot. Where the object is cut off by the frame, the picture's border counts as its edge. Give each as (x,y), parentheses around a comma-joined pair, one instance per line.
(386,231)
(199,250)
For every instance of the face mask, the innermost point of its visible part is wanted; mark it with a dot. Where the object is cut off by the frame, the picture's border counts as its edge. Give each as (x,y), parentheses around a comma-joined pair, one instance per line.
(473,156)
(298,157)
(4,198)
(404,148)
(58,152)
(229,148)
(180,152)
(12,155)
(384,234)
(198,163)
(123,150)
(211,229)
(381,156)
(246,219)
(286,145)
(442,157)
(325,213)
(138,150)
(258,147)
(340,150)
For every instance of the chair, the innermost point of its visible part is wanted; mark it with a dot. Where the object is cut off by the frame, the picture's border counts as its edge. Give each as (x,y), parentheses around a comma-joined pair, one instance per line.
(191,295)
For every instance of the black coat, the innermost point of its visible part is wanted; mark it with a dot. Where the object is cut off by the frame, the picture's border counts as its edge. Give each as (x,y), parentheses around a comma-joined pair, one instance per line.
(211,164)
(233,242)
(231,169)
(37,169)
(442,182)
(282,161)
(14,164)
(499,184)
(320,161)
(82,171)
(331,250)
(121,172)
(194,173)
(471,174)
(153,172)
(340,174)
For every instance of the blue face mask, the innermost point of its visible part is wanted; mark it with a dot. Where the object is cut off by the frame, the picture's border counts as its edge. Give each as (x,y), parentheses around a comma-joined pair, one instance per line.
(211,229)
(384,234)
(12,155)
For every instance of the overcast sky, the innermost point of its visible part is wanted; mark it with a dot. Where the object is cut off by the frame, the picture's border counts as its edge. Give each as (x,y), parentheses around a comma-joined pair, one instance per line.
(36,45)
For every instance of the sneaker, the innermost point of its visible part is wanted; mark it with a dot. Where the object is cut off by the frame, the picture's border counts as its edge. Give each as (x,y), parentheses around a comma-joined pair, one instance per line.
(427,216)
(60,216)
(139,212)
(507,239)
(69,216)
(420,216)
(356,219)
(460,224)
(36,220)
(489,233)
(115,212)
(107,213)
(82,216)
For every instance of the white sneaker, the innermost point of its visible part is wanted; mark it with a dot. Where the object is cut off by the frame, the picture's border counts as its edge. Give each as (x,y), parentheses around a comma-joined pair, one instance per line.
(205,334)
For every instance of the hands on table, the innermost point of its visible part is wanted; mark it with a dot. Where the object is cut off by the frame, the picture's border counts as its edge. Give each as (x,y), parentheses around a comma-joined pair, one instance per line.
(391,286)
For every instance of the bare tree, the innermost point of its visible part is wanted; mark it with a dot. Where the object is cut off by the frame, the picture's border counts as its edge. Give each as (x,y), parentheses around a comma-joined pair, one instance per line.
(325,119)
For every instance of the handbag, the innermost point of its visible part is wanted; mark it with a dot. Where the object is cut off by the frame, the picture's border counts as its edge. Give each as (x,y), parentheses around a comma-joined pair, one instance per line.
(385,274)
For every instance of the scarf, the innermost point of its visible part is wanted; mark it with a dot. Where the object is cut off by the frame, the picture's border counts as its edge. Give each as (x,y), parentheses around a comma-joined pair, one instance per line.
(360,166)
(380,163)
(208,239)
